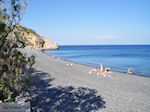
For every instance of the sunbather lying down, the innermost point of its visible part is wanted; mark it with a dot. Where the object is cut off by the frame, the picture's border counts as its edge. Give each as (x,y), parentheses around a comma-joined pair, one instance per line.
(95,69)
(105,72)
(101,71)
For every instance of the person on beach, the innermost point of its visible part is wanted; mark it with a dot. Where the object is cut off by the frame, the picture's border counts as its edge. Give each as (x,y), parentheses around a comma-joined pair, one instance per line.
(71,64)
(130,70)
(101,71)
(95,69)
(107,72)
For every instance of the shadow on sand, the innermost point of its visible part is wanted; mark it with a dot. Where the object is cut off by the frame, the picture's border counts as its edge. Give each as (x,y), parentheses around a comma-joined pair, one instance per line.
(46,98)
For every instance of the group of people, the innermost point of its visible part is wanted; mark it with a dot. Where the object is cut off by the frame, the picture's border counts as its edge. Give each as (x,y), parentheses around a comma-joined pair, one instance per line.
(101,71)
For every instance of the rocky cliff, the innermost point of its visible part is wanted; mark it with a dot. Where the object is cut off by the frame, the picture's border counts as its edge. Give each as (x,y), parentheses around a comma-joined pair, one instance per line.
(30,38)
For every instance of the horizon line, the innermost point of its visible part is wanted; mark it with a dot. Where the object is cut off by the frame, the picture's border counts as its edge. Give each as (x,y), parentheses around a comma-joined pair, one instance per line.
(98,44)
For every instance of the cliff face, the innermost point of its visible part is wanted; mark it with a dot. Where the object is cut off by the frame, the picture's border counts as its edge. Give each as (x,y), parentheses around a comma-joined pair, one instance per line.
(31,38)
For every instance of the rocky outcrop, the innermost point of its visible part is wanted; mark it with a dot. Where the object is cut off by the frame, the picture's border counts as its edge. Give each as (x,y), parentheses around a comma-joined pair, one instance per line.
(49,44)
(31,38)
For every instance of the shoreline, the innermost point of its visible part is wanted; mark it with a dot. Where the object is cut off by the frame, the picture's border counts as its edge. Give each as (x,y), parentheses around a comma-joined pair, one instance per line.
(125,73)
(71,88)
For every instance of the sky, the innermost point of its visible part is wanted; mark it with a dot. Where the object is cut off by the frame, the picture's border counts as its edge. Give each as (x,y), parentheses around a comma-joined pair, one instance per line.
(90,22)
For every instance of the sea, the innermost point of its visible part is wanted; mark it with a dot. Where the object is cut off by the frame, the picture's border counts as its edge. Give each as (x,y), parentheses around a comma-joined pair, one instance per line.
(117,57)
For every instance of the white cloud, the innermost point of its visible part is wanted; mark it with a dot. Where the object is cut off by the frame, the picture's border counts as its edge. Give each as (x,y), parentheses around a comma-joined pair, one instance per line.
(107,37)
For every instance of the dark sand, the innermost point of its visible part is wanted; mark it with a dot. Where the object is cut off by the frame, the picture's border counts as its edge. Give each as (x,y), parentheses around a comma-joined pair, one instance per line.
(67,89)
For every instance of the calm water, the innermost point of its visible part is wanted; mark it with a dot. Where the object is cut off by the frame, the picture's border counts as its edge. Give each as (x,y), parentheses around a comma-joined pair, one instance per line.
(118,57)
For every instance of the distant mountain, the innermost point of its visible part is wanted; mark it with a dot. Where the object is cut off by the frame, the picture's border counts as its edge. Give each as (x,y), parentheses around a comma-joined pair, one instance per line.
(29,37)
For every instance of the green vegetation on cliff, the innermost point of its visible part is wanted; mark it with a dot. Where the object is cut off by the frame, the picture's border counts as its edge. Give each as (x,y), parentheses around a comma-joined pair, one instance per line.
(27,30)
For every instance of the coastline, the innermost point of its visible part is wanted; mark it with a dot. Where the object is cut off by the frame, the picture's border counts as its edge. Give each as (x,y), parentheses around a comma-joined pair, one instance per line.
(63,85)
(117,57)
(92,66)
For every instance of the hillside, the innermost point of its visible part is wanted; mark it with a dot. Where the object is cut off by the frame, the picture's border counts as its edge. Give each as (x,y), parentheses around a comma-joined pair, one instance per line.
(29,37)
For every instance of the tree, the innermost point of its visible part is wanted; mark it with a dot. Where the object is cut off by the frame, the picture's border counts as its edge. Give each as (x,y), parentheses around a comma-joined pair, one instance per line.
(12,62)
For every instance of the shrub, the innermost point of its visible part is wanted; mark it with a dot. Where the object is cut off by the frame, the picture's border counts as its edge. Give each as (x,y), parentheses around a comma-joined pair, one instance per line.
(13,63)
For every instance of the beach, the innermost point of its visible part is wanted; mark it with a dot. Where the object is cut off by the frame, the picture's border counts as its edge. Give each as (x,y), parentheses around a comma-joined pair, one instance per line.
(59,87)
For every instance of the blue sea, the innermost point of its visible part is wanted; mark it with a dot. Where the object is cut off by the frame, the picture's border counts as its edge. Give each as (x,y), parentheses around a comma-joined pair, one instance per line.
(117,57)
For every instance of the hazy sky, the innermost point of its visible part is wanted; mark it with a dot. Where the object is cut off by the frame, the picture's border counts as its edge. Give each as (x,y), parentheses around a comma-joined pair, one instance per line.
(91,22)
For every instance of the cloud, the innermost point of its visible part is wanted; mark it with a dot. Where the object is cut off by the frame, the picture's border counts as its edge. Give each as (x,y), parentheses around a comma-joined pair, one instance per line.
(107,37)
